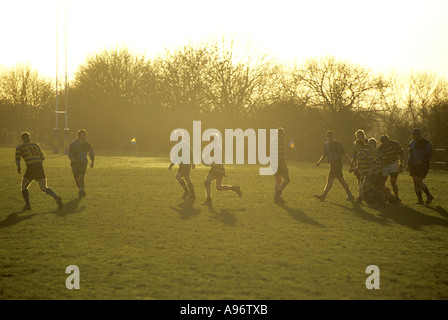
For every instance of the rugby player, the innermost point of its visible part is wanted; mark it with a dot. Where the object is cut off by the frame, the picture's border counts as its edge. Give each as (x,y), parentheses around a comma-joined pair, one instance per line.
(33,157)
(77,153)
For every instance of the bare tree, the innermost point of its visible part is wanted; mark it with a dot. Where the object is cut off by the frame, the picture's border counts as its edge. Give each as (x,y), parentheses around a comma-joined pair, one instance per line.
(338,85)
(31,96)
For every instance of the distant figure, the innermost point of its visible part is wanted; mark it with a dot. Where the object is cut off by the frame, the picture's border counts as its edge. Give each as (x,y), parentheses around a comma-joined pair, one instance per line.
(359,135)
(77,153)
(334,151)
(184,172)
(418,164)
(391,161)
(33,157)
(217,173)
(282,177)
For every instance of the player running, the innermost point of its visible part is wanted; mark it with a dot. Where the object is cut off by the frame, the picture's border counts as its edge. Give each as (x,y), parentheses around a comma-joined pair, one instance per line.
(392,162)
(217,173)
(334,151)
(359,135)
(183,172)
(77,153)
(33,157)
(418,164)
(282,177)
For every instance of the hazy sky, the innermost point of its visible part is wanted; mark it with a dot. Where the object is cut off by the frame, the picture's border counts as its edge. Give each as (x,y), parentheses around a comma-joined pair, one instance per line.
(380,34)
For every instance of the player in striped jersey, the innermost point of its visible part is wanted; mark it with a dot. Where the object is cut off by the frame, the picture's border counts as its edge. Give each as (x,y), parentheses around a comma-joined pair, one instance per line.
(33,157)
(392,162)
(282,177)
(217,173)
(368,166)
(372,147)
(359,135)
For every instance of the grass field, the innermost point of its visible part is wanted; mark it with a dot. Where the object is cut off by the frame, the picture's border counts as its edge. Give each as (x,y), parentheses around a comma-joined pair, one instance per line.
(133,237)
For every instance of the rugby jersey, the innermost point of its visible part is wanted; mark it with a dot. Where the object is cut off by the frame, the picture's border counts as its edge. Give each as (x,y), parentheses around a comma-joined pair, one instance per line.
(365,161)
(377,157)
(78,150)
(334,151)
(420,150)
(30,152)
(281,153)
(390,151)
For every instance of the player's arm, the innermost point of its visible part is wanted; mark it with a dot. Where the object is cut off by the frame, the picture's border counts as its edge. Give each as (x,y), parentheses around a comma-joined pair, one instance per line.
(18,157)
(92,156)
(70,154)
(191,159)
(171,166)
(41,154)
(349,160)
(410,156)
(322,157)
(400,159)
(428,150)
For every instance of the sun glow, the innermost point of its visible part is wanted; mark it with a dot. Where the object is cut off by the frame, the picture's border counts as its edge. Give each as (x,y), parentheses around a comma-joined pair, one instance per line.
(403,35)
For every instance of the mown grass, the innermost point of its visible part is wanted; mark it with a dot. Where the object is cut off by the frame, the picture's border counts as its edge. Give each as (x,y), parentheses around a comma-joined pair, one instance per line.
(133,237)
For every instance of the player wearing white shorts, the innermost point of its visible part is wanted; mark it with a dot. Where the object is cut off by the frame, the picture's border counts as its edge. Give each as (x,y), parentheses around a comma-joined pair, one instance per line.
(392,162)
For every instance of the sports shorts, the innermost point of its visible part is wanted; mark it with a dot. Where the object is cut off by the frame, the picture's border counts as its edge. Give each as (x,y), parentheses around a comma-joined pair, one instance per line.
(78,168)
(390,169)
(282,171)
(34,172)
(419,170)
(335,170)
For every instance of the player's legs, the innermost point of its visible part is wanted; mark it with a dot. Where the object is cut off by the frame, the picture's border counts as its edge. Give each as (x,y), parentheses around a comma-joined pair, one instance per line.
(286,180)
(43,186)
(328,186)
(190,186)
(25,193)
(393,183)
(282,181)
(420,186)
(346,187)
(223,187)
(278,181)
(207,184)
(179,175)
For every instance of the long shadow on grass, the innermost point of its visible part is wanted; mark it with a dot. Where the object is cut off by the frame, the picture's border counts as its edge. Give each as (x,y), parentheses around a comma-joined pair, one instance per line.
(400,214)
(186,209)
(439,210)
(412,218)
(19,216)
(15,218)
(226,216)
(69,208)
(299,215)
(360,212)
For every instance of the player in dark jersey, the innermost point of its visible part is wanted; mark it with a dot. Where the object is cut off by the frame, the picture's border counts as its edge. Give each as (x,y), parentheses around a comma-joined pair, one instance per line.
(217,173)
(33,157)
(77,154)
(334,151)
(420,153)
(183,172)
(282,177)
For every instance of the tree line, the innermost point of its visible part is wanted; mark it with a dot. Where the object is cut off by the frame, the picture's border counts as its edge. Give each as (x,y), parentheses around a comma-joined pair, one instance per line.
(117,95)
